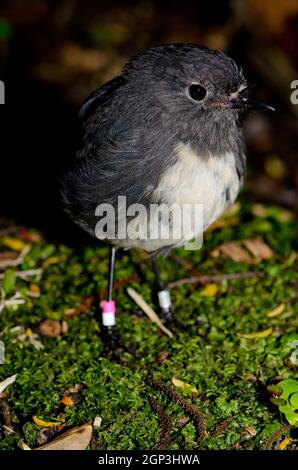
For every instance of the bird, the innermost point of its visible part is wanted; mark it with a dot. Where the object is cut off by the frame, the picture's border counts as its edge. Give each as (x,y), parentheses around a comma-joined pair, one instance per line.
(164,133)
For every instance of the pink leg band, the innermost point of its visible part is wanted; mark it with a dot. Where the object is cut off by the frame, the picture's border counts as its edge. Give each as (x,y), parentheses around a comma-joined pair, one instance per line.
(108,312)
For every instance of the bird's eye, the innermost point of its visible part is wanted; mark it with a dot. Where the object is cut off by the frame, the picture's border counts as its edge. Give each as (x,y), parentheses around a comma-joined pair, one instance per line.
(197,92)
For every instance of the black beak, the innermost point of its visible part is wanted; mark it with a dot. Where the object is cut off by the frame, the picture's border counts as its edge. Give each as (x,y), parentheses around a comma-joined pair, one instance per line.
(250,102)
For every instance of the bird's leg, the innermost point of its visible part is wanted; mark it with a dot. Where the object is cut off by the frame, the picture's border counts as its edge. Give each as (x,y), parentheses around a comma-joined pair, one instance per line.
(163,294)
(110,336)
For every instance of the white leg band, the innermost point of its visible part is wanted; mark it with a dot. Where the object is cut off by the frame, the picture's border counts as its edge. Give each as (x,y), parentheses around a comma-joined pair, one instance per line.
(164,299)
(108,319)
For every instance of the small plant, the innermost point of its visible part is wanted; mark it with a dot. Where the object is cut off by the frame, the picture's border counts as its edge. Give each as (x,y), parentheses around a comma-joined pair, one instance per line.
(285,396)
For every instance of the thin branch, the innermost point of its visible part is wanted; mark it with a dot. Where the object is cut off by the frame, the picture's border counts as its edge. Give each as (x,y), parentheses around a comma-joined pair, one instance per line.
(148,310)
(214,278)
(8,263)
(25,274)
(189,408)
(165,423)
(275,436)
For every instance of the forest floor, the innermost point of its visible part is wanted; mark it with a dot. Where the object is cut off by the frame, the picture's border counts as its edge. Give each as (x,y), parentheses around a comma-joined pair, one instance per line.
(239,340)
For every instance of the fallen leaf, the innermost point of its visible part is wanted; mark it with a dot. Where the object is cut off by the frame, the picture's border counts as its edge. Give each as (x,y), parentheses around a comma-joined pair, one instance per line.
(182,421)
(34,288)
(30,236)
(45,424)
(257,335)
(64,327)
(10,380)
(52,260)
(14,243)
(276,311)
(283,444)
(76,438)
(245,251)
(184,386)
(258,249)
(50,328)
(83,308)
(234,252)
(97,421)
(23,445)
(251,431)
(45,434)
(209,291)
(68,401)
(148,310)
(162,357)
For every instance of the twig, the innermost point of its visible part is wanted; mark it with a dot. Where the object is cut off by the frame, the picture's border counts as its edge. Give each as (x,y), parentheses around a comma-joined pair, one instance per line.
(184,264)
(220,427)
(25,274)
(7,263)
(15,300)
(148,310)
(7,418)
(214,278)
(165,423)
(275,436)
(189,408)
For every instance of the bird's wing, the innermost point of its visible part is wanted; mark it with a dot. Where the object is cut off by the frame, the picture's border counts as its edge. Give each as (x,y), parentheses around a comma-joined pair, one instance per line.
(100,97)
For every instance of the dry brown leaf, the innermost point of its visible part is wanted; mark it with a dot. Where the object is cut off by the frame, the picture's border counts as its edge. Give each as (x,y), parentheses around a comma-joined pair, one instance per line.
(149,311)
(258,249)
(76,438)
(236,253)
(50,328)
(182,421)
(68,401)
(85,306)
(244,251)
(251,431)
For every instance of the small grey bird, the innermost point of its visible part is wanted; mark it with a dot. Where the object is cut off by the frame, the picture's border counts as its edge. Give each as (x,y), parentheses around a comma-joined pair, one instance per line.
(166,131)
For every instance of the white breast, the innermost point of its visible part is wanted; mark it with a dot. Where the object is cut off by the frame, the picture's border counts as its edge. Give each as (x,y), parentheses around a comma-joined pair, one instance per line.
(212,182)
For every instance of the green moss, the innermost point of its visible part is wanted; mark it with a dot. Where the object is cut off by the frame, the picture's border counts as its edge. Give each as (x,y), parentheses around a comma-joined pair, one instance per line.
(230,372)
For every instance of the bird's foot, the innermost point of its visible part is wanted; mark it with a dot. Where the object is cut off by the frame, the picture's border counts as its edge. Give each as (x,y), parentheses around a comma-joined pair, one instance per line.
(172,322)
(113,345)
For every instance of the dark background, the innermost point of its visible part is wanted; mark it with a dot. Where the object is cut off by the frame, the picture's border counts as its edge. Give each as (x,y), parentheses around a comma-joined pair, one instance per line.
(54,53)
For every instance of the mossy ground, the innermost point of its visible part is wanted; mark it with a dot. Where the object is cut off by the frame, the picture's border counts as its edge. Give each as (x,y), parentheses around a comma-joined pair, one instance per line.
(229,372)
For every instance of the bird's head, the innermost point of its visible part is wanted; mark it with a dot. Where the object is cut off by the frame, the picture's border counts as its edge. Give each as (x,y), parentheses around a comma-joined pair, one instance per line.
(199,91)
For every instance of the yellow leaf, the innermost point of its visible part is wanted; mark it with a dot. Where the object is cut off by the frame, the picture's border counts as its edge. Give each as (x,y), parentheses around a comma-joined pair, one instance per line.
(184,385)
(285,443)
(49,261)
(257,335)
(45,424)
(14,243)
(276,311)
(209,291)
